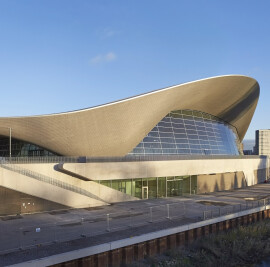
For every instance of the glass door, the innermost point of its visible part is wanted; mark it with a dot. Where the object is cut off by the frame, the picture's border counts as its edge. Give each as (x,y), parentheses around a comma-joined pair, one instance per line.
(145,192)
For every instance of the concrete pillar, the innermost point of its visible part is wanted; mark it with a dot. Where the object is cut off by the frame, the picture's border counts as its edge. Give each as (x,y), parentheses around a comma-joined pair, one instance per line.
(151,247)
(102,259)
(162,244)
(265,214)
(115,257)
(128,254)
(206,230)
(181,239)
(171,241)
(139,251)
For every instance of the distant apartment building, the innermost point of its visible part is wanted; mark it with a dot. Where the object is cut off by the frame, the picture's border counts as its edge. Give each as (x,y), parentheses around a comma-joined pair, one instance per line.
(262,146)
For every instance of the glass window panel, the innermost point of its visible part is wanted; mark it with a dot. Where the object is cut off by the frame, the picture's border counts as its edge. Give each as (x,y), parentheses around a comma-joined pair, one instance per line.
(171,135)
(177,135)
(166,145)
(153,134)
(195,151)
(223,137)
(167,140)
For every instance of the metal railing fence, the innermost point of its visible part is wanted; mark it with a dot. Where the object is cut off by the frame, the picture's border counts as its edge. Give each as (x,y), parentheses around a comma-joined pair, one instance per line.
(128,158)
(93,225)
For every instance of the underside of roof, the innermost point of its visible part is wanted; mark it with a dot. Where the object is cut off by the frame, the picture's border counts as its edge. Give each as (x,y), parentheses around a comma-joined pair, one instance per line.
(114,129)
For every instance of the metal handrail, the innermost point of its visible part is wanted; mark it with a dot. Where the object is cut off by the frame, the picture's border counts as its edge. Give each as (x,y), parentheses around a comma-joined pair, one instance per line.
(128,158)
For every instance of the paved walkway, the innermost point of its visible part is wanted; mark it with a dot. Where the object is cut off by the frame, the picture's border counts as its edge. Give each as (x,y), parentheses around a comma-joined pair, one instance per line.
(39,235)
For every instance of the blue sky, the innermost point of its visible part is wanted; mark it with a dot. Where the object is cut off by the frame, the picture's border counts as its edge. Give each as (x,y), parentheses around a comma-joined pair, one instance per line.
(59,55)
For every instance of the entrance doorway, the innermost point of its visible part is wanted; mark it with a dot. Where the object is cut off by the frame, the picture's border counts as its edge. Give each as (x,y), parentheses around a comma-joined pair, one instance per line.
(145,192)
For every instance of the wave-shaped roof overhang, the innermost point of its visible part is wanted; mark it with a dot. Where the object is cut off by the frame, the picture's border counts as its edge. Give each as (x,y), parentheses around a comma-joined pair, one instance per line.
(114,129)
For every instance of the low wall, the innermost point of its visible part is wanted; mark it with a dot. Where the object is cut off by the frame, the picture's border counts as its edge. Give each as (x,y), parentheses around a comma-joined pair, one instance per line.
(220,181)
(128,254)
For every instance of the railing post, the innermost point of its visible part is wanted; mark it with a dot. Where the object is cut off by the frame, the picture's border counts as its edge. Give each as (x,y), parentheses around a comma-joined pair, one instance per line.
(168,211)
(83,232)
(20,237)
(151,215)
(54,233)
(130,219)
(108,222)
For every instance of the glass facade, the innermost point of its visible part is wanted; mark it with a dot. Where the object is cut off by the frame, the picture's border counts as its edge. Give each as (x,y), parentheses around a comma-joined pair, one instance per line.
(22,149)
(155,187)
(187,132)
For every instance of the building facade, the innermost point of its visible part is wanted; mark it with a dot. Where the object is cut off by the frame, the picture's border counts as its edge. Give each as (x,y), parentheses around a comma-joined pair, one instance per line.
(262,145)
(184,139)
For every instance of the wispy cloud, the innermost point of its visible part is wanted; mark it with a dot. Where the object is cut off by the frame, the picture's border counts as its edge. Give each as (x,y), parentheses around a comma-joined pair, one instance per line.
(103,58)
(108,33)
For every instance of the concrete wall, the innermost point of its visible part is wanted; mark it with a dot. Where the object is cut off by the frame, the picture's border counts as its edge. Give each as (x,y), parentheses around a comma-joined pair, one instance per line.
(124,170)
(101,192)
(14,202)
(220,181)
(27,185)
